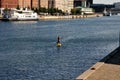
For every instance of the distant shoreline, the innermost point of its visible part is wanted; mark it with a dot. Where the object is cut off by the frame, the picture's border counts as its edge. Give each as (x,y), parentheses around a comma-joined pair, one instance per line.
(67,17)
(70,16)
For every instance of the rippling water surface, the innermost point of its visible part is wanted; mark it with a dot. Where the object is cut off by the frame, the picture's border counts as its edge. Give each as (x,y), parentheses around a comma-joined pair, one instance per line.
(28,49)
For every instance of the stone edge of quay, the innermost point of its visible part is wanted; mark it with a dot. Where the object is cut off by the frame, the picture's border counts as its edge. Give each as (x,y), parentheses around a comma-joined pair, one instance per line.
(96,66)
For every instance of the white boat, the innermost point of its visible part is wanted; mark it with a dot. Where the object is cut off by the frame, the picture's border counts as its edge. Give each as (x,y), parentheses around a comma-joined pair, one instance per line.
(107,13)
(20,15)
(118,14)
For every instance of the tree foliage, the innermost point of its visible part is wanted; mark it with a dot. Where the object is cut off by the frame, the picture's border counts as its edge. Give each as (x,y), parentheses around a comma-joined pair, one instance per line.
(50,11)
(75,11)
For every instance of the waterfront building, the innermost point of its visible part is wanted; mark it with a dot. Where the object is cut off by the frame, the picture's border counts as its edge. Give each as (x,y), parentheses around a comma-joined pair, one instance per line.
(24,3)
(51,3)
(70,5)
(77,3)
(83,3)
(67,5)
(8,3)
(117,5)
(35,3)
(64,5)
(28,3)
(89,2)
(43,3)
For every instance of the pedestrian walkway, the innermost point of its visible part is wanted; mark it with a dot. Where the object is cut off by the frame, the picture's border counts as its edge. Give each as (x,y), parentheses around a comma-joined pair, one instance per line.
(108,68)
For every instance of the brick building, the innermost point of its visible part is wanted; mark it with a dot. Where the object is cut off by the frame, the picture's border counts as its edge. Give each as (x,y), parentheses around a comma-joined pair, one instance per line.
(64,5)
(8,3)
(24,3)
(51,3)
(44,3)
(35,3)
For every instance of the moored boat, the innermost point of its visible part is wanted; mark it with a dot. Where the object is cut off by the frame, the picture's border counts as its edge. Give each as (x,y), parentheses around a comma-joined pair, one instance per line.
(20,15)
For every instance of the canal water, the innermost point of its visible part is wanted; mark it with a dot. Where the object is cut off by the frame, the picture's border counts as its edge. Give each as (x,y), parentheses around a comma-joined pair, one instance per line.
(28,49)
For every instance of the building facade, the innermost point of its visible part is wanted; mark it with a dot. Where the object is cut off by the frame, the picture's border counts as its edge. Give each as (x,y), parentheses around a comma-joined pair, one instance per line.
(51,3)
(8,3)
(28,3)
(83,3)
(35,3)
(64,5)
(77,3)
(44,3)
(117,5)
(24,3)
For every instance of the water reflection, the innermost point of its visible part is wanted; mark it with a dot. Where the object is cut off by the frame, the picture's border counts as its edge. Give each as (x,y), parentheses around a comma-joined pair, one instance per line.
(25,22)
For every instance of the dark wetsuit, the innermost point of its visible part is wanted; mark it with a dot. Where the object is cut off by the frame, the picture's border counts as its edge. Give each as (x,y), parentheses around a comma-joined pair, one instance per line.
(58,40)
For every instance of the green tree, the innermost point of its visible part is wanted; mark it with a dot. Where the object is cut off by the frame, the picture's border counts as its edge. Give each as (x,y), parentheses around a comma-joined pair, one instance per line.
(35,10)
(51,11)
(78,11)
(43,9)
(75,11)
